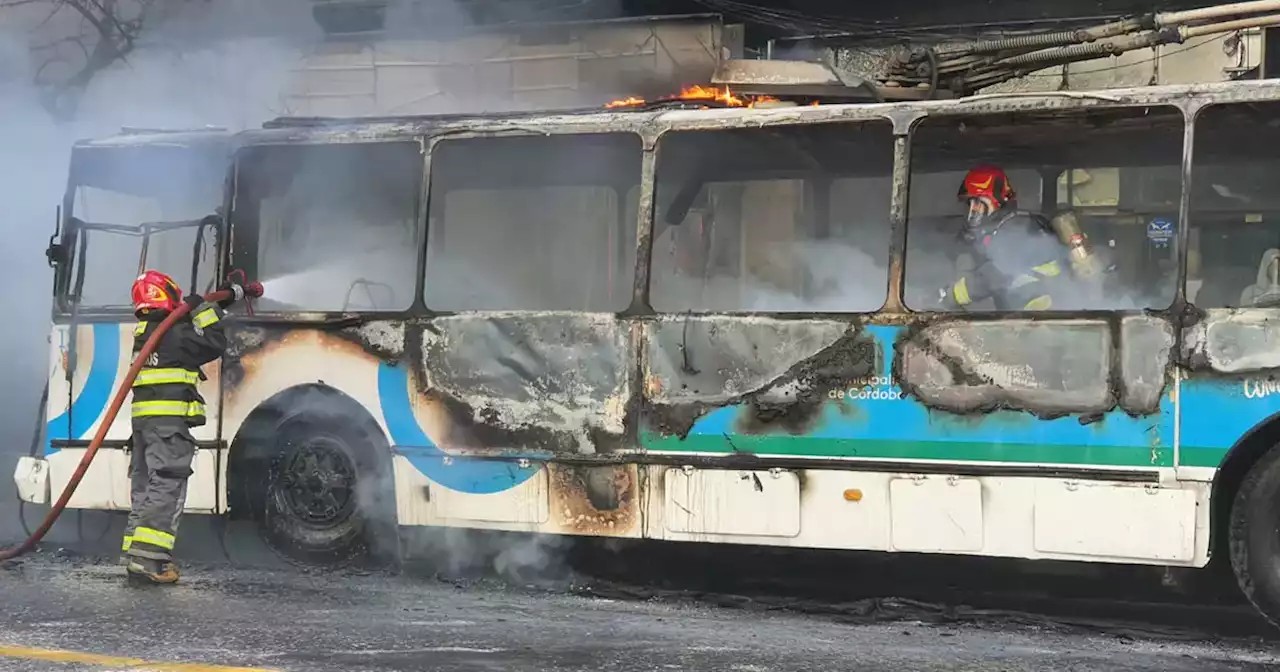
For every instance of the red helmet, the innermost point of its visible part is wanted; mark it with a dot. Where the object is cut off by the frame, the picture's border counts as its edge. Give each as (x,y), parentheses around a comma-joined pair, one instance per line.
(988,183)
(154,290)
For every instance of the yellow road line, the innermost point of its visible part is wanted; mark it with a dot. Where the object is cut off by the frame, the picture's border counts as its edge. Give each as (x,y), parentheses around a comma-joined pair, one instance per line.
(55,656)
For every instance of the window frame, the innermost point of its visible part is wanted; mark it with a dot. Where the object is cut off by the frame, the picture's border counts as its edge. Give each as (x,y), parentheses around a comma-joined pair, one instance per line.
(1195,229)
(1057,163)
(243,255)
(817,185)
(432,209)
(72,240)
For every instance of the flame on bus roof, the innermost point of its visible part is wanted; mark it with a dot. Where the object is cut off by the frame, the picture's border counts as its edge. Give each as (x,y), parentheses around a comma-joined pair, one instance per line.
(696,92)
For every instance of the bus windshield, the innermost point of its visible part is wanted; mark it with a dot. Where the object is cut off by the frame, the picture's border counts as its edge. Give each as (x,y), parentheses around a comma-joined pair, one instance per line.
(141,207)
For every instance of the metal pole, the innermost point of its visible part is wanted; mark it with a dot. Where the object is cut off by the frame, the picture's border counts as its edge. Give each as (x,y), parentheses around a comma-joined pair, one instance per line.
(1231,9)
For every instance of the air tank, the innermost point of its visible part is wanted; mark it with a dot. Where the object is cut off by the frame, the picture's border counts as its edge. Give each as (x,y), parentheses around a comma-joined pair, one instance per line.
(1083,261)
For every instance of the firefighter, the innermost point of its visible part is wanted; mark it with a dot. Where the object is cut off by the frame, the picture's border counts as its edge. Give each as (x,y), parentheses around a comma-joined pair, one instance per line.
(1019,262)
(165,406)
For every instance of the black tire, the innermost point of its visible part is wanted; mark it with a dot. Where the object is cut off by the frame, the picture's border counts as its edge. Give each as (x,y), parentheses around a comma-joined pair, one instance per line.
(1254,536)
(326,493)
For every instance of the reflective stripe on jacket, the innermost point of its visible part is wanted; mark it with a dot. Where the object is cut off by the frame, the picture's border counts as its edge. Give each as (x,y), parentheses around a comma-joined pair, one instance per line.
(166,384)
(1020,265)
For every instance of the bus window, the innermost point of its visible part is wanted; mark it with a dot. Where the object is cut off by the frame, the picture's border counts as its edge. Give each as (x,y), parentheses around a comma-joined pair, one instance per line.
(533,223)
(330,228)
(1234,255)
(787,219)
(1115,171)
(125,197)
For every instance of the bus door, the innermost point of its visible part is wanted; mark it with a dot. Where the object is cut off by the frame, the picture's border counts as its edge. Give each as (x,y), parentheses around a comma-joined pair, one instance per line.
(127,208)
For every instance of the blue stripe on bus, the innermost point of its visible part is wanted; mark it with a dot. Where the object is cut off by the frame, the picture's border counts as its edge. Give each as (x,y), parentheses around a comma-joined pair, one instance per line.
(470,475)
(1216,414)
(1149,438)
(98,386)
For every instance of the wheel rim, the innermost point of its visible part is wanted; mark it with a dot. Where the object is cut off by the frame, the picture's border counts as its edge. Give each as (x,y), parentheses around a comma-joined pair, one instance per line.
(318,482)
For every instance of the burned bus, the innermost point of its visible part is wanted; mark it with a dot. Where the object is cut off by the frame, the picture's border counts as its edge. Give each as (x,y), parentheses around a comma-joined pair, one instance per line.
(707,325)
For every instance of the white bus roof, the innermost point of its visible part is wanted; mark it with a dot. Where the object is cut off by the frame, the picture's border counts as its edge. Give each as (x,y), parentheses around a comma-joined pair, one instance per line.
(656,119)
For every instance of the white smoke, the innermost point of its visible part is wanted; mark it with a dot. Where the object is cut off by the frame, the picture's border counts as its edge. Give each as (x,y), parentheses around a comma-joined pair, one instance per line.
(167,81)
(829,276)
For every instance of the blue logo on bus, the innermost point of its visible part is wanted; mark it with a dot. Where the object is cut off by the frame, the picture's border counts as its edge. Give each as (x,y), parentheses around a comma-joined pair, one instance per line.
(1160,231)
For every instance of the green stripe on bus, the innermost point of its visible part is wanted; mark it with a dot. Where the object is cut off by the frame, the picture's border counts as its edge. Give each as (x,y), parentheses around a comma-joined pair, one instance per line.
(1199,456)
(958,451)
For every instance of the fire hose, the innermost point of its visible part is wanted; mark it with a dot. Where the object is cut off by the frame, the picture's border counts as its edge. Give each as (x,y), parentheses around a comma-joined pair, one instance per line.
(112,410)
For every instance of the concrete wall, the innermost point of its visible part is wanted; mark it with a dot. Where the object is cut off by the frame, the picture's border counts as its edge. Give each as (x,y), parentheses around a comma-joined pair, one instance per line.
(585,65)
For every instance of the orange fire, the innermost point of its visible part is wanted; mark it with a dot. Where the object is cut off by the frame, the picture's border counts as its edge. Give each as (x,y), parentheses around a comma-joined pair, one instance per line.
(695,92)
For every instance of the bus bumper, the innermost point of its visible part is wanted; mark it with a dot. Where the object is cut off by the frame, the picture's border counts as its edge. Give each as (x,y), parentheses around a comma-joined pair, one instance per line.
(32,480)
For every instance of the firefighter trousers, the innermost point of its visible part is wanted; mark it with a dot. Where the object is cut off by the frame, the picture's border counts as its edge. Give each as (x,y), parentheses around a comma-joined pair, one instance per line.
(161,463)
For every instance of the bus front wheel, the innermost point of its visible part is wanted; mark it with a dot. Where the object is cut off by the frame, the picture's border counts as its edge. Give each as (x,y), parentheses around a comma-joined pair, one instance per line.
(322,494)
(1255,536)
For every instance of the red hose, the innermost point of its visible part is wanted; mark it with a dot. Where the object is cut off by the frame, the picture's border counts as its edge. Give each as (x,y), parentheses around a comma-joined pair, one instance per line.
(110,417)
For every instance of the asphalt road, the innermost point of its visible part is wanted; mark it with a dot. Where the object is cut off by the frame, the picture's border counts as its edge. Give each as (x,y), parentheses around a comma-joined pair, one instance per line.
(71,615)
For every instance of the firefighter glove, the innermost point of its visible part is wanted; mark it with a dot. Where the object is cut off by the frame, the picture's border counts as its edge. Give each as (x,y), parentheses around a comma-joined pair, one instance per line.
(237,293)
(194,300)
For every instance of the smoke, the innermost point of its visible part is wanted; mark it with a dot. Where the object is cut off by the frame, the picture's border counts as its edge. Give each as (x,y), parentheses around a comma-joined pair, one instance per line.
(816,276)
(170,80)
(527,559)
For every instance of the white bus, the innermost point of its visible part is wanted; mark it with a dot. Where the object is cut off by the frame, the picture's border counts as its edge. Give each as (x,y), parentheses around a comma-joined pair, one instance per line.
(706,325)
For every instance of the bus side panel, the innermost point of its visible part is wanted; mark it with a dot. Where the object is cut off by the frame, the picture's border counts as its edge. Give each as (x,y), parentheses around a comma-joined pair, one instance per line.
(461,389)
(856,406)
(1232,389)
(102,356)
(825,389)
(1217,412)
(372,366)
(522,387)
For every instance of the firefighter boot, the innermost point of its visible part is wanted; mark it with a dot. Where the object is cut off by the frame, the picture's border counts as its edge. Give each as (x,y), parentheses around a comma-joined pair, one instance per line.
(155,571)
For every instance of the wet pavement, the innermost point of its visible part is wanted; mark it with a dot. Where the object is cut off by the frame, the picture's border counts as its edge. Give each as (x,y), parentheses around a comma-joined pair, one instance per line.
(76,614)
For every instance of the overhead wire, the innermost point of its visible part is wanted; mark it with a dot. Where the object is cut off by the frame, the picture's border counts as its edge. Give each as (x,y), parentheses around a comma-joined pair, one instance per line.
(1118,66)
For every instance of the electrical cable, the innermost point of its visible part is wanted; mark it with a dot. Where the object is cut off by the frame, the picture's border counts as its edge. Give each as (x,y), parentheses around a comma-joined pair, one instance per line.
(1129,65)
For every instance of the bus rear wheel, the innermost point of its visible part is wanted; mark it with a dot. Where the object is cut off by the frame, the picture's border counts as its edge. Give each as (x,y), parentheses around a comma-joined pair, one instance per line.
(1254,536)
(320,504)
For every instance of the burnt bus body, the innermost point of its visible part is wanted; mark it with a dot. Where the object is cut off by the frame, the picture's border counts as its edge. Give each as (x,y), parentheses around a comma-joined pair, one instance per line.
(722,326)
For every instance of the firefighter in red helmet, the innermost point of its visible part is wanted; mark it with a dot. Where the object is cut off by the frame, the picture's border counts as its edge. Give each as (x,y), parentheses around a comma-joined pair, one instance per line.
(1019,262)
(165,406)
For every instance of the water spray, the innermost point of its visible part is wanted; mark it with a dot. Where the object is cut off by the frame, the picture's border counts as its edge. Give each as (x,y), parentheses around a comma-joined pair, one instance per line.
(116,402)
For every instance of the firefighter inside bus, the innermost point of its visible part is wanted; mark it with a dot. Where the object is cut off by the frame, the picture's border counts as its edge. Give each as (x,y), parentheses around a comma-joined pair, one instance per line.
(1019,259)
